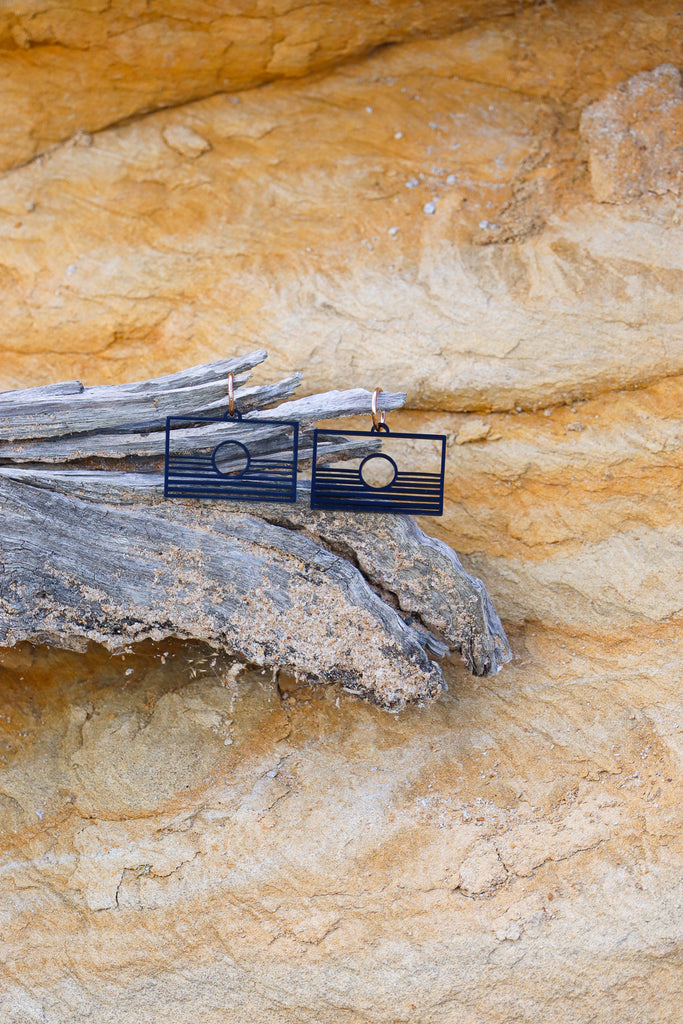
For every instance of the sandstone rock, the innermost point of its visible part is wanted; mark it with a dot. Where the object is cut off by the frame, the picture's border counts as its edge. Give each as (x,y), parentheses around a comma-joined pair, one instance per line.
(519,290)
(334,858)
(72,67)
(185,141)
(635,137)
(481,871)
(473,429)
(575,527)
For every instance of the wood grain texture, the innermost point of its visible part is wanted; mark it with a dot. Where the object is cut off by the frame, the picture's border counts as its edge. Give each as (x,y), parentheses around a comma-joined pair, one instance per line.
(97,554)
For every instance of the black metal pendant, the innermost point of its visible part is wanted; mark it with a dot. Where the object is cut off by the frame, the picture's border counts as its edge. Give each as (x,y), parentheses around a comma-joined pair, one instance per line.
(374,481)
(227,457)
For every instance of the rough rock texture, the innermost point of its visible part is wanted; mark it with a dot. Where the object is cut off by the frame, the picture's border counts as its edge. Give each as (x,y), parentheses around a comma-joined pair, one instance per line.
(273,589)
(572,515)
(205,848)
(181,842)
(635,137)
(434,198)
(78,67)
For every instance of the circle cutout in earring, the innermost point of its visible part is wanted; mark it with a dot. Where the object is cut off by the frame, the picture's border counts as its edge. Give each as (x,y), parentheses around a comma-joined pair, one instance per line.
(231,458)
(378,471)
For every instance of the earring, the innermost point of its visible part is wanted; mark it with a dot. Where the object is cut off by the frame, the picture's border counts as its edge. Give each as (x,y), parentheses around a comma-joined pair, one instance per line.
(223,457)
(374,480)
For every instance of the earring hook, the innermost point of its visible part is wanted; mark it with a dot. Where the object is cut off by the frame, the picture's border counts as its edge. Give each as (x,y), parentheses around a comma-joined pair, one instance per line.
(231,393)
(377,423)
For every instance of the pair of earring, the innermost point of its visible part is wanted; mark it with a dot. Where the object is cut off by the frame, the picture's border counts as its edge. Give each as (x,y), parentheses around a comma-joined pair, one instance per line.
(228,458)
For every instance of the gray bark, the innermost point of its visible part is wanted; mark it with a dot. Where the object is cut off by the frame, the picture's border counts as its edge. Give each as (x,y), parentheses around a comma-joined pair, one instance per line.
(92,552)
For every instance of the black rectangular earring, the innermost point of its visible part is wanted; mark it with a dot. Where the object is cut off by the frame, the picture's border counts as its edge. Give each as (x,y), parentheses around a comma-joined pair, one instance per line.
(375,481)
(226,457)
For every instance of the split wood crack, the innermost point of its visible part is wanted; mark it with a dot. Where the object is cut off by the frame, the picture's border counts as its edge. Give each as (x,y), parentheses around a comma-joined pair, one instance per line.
(91,551)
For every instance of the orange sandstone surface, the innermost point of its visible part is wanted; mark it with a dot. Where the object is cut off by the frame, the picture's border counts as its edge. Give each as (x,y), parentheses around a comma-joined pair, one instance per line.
(80,67)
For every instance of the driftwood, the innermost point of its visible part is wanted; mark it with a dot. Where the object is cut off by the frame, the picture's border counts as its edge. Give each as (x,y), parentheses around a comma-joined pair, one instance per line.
(91,551)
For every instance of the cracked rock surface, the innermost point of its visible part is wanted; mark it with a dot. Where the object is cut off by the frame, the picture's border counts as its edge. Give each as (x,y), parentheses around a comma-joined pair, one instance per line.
(225,841)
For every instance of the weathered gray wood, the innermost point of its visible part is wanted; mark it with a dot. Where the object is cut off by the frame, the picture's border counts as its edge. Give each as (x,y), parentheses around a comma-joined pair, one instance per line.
(75,572)
(145,438)
(419,574)
(92,554)
(53,411)
(120,444)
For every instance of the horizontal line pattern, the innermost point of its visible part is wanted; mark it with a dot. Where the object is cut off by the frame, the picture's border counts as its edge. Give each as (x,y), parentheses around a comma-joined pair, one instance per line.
(190,470)
(285,496)
(178,461)
(205,482)
(419,493)
(419,479)
(208,474)
(236,485)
